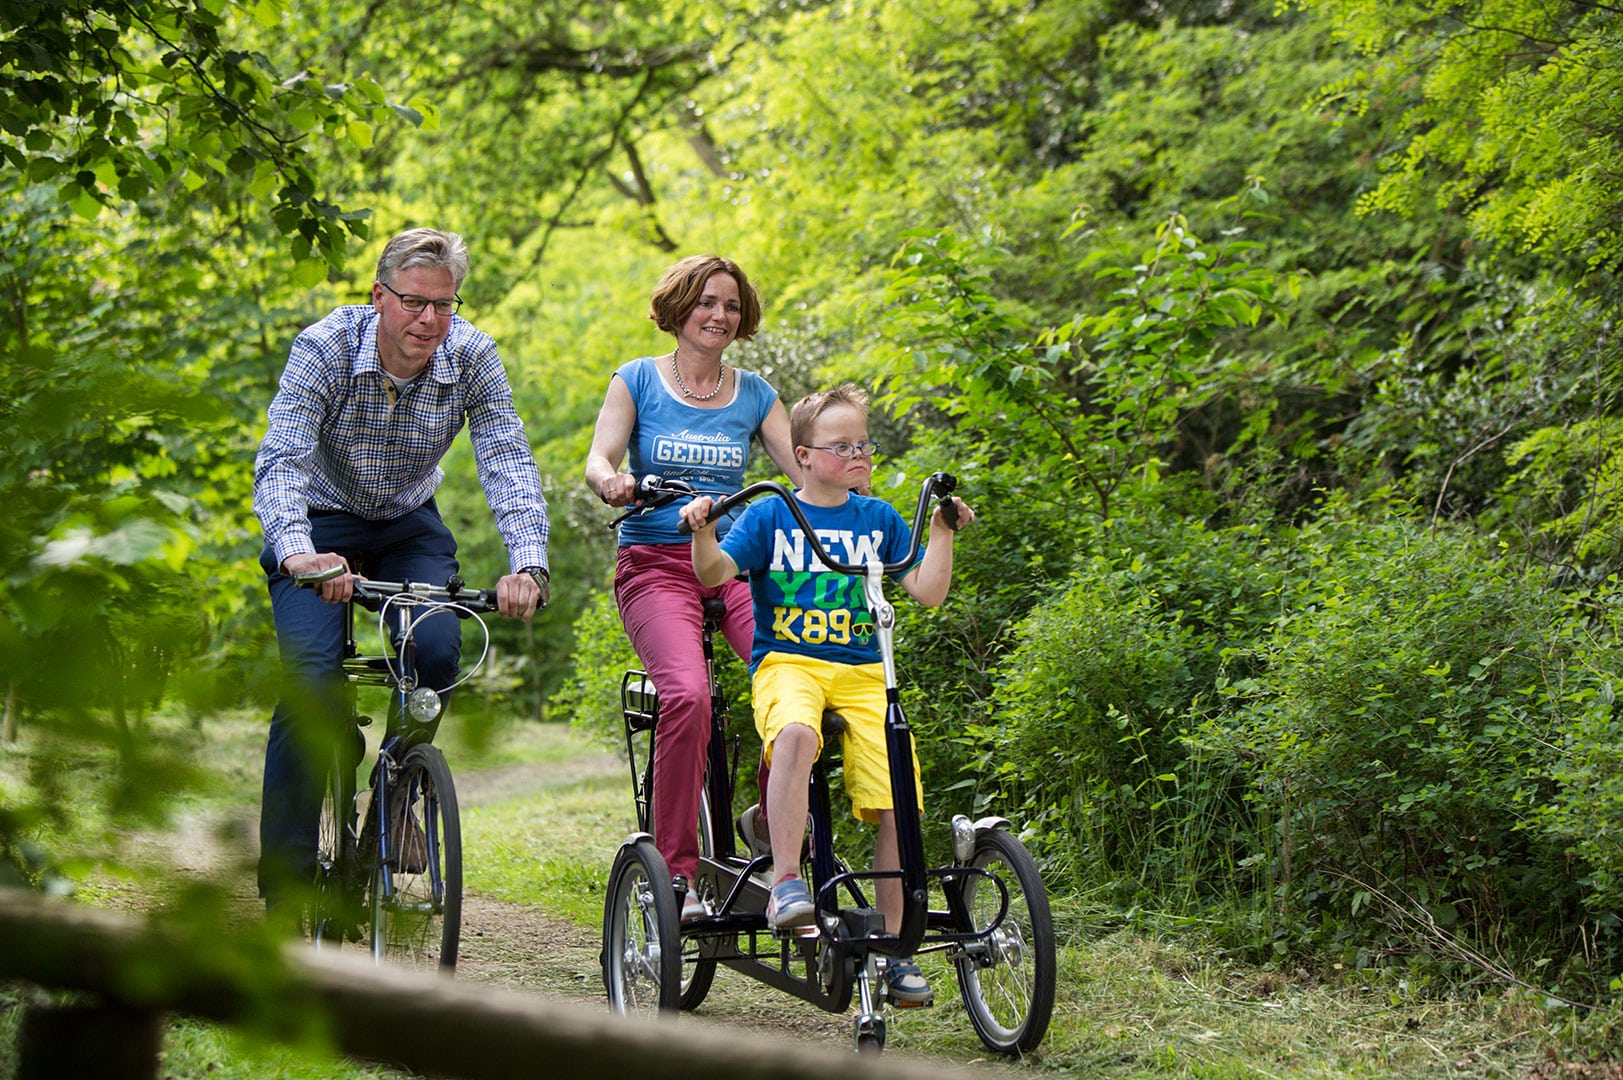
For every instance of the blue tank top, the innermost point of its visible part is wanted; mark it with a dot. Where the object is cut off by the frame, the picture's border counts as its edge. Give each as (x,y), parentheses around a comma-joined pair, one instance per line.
(709,448)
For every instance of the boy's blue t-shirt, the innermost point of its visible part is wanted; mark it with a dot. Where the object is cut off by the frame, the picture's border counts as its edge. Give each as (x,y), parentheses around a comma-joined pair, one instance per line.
(801,606)
(676,441)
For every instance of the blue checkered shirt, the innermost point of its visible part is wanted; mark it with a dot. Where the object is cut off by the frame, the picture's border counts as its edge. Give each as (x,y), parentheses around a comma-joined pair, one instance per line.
(339,440)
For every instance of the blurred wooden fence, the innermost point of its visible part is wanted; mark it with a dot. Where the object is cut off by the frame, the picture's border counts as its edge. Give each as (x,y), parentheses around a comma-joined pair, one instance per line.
(132,972)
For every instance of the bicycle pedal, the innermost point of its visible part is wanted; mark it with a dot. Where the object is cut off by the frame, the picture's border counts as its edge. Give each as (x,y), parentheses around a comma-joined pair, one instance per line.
(802,932)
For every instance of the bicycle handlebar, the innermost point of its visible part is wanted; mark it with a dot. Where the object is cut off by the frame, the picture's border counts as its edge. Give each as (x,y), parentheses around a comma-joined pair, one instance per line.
(372,595)
(939,486)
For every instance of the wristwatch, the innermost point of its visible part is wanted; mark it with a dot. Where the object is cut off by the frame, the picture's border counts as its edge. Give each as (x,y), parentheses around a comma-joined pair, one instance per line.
(540,577)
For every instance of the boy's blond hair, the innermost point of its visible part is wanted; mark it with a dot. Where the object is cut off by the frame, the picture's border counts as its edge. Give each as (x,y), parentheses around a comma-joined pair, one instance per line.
(803,417)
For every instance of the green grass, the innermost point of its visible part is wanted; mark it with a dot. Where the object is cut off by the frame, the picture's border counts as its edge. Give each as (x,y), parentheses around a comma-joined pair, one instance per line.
(553,849)
(1130,1008)
(194,1049)
(1127,1006)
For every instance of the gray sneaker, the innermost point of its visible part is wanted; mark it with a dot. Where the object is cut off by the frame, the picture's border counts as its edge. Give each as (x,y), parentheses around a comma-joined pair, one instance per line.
(751,830)
(905,985)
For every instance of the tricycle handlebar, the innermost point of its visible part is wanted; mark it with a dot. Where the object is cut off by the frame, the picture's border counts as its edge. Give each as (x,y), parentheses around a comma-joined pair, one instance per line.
(938,486)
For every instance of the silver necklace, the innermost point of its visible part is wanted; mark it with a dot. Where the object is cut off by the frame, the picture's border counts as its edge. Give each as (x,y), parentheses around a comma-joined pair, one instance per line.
(677,372)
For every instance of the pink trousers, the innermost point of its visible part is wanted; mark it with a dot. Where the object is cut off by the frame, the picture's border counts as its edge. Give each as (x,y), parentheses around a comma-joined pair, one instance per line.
(659,605)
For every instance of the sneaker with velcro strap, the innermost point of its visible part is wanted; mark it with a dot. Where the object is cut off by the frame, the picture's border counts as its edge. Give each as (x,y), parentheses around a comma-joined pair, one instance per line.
(905,985)
(751,830)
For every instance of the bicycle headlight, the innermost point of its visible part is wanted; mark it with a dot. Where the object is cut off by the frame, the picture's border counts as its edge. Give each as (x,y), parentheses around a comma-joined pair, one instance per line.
(963,838)
(423,705)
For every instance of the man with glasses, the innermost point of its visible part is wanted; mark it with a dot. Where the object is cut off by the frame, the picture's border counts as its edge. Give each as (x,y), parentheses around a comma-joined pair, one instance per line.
(371,399)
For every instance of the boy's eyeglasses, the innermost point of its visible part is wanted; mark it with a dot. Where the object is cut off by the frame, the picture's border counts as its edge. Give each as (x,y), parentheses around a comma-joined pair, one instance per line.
(849,450)
(415,304)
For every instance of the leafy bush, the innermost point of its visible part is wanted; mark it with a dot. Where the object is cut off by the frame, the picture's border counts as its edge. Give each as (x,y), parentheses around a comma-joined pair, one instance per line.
(1084,732)
(603,653)
(1585,814)
(1397,736)
(1359,737)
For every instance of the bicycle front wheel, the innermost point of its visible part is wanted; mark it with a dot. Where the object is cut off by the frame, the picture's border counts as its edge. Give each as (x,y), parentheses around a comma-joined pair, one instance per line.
(333,914)
(1007,978)
(417,881)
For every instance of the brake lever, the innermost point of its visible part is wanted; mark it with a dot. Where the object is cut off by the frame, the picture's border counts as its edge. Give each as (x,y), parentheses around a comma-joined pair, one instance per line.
(653,493)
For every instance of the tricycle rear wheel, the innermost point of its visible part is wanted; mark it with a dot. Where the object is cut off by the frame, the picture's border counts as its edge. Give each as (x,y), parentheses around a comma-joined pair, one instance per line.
(1007,979)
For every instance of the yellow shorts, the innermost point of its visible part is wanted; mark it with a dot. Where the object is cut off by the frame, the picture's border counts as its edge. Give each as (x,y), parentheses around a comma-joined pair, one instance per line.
(791,689)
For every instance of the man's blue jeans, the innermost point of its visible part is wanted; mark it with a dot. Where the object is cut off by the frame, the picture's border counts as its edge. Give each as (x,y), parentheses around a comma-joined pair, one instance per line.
(310,637)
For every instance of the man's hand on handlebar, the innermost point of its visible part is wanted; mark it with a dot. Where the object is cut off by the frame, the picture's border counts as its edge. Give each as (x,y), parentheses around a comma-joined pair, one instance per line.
(520,596)
(334,590)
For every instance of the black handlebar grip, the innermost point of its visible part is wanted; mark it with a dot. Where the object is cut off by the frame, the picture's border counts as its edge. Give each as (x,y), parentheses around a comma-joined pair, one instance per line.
(945,484)
(716,511)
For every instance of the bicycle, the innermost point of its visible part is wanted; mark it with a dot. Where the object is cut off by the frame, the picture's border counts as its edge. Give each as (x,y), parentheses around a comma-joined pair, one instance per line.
(389,856)
(995,926)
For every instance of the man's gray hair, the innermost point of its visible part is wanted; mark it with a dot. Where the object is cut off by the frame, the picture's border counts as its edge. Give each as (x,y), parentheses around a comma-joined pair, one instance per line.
(424,247)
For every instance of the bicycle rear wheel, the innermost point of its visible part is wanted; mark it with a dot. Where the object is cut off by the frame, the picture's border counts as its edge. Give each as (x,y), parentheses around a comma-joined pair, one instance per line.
(417,882)
(697,973)
(1007,978)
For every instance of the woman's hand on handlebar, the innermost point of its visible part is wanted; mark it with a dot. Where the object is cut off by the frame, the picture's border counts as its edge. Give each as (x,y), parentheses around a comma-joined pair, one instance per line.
(336,589)
(520,596)
(696,514)
(619,489)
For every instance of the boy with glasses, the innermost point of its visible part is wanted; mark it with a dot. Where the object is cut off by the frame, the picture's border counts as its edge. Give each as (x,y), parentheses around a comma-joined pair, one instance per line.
(814,645)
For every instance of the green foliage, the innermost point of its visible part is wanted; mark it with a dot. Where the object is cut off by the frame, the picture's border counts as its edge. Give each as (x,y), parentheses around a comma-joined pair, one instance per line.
(151,104)
(1184,415)
(1586,812)
(1097,397)
(591,699)
(1084,728)
(1500,108)
(1368,735)
(1397,731)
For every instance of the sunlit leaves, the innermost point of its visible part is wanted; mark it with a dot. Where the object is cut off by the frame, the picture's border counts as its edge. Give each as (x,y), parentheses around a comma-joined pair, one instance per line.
(1096,397)
(124,103)
(1506,108)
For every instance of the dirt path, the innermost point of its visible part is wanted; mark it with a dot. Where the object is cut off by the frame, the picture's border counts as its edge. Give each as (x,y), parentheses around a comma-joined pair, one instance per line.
(522,947)
(517,946)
